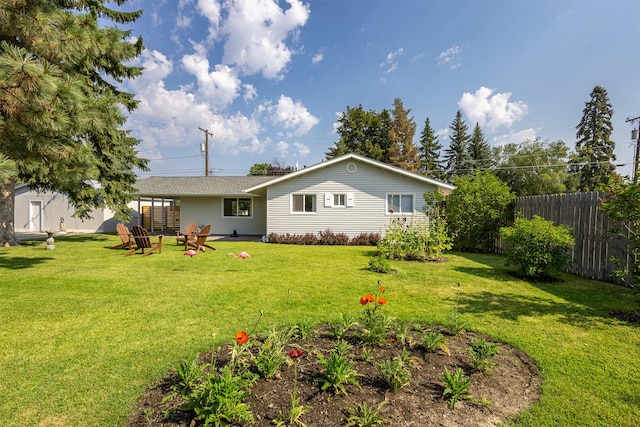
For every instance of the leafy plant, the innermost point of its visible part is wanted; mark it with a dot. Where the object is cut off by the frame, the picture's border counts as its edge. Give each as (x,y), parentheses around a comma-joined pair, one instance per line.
(395,373)
(218,400)
(340,329)
(481,353)
(433,340)
(456,386)
(539,249)
(476,209)
(623,204)
(297,410)
(374,323)
(379,264)
(270,357)
(189,372)
(365,416)
(338,371)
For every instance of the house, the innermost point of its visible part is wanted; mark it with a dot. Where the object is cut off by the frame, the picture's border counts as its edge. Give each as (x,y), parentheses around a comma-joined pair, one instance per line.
(38,211)
(350,194)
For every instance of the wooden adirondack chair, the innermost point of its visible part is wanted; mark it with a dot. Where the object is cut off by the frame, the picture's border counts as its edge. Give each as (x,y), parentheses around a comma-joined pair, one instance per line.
(201,238)
(125,236)
(189,234)
(143,242)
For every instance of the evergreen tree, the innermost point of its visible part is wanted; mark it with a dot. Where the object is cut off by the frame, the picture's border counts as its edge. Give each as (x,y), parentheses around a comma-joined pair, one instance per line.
(479,150)
(61,113)
(594,156)
(402,151)
(429,153)
(457,155)
(363,132)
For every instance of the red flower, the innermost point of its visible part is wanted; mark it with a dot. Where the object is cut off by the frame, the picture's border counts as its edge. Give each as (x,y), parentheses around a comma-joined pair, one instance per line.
(382,301)
(369,297)
(391,339)
(296,353)
(242,337)
(364,300)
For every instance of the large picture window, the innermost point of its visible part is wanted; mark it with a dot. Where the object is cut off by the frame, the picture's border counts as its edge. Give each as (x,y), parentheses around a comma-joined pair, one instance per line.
(400,203)
(303,202)
(237,207)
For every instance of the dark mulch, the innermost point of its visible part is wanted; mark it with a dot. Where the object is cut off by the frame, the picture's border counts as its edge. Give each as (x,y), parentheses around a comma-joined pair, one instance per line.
(509,388)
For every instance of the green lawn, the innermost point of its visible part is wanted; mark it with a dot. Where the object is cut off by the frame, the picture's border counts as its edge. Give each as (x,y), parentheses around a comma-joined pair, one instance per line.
(85,330)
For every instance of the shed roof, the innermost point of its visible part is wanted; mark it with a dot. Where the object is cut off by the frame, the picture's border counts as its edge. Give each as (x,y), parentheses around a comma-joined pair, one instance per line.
(175,186)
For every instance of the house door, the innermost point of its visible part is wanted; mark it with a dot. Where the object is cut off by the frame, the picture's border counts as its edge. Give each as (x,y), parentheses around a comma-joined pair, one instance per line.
(35,215)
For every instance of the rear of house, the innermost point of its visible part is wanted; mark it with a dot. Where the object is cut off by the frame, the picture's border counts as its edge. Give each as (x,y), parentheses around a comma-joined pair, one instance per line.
(350,195)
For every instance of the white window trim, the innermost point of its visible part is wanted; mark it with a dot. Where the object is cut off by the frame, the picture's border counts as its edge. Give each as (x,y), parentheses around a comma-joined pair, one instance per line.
(413,203)
(238,216)
(292,212)
(349,200)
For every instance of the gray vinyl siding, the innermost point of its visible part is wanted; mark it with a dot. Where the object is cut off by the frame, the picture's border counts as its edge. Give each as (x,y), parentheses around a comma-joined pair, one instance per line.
(208,210)
(369,185)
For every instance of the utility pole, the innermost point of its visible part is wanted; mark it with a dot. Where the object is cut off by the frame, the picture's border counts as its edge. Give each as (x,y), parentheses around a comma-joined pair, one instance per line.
(636,157)
(206,150)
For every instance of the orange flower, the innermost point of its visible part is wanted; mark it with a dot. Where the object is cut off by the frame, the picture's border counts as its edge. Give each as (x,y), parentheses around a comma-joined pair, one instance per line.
(382,289)
(242,337)
(382,301)
(364,300)
(369,297)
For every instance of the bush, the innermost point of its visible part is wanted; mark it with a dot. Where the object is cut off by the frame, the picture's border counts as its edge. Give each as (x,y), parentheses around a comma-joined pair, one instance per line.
(416,240)
(476,210)
(365,239)
(328,237)
(539,249)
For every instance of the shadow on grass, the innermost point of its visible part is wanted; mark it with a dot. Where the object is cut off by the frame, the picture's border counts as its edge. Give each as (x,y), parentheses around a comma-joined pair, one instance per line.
(19,263)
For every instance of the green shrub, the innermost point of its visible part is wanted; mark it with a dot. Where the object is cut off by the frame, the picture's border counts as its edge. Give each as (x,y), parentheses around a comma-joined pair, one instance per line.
(481,353)
(539,249)
(623,204)
(476,209)
(456,386)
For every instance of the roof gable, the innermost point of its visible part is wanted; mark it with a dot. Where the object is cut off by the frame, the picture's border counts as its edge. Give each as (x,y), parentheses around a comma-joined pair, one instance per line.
(345,158)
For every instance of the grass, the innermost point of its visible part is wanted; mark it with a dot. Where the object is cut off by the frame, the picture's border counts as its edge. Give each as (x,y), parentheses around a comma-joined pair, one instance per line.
(84,330)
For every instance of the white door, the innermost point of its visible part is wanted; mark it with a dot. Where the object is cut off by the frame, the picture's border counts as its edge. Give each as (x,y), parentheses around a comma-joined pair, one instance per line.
(35,215)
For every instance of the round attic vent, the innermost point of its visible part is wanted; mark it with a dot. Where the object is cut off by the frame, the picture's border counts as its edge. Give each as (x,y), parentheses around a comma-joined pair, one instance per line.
(352,167)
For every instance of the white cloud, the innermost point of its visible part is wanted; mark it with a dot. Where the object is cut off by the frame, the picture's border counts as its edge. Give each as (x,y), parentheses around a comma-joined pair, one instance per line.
(515,137)
(490,110)
(303,150)
(282,147)
(293,116)
(220,86)
(389,63)
(450,57)
(318,57)
(256,32)
(250,92)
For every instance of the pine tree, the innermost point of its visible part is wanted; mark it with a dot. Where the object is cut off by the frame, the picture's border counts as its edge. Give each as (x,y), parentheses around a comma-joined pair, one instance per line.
(363,132)
(594,156)
(402,151)
(457,155)
(61,113)
(429,152)
(479,150)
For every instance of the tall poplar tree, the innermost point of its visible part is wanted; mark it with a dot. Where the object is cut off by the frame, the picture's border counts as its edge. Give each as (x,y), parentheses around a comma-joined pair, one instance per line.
(61,111)
(457,155)
(429,153)
(479,150)
(594,156)
(402,151)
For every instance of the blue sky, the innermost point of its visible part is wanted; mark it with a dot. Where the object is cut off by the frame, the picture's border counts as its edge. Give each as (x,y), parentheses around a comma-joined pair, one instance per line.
(269,78)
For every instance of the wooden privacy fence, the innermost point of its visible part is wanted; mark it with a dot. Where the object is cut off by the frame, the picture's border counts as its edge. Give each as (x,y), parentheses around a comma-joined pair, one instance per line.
(581,212)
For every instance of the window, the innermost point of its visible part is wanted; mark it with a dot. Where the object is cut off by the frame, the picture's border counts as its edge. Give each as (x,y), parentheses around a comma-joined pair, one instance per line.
(339,200)
(303,203)
(237,207)
(400,203)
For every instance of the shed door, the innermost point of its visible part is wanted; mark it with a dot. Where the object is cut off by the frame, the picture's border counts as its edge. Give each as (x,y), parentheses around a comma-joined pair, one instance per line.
(35,215)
